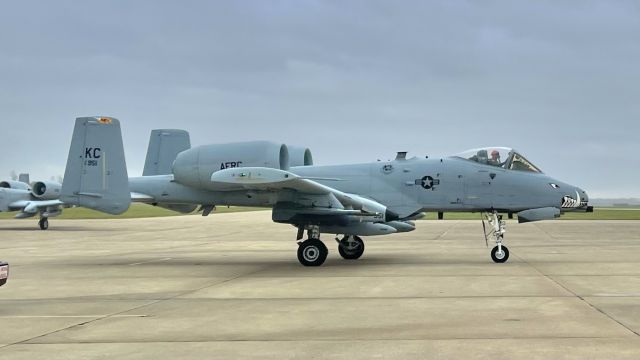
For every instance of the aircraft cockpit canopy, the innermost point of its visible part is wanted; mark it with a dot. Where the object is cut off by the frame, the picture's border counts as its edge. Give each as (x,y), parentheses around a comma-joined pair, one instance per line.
(503,157)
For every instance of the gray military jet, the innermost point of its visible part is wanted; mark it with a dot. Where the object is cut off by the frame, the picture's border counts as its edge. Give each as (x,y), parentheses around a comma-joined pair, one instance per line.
(42,197)
(352,200)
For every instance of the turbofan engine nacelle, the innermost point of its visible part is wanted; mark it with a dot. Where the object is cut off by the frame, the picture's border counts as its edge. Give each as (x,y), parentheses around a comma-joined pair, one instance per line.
(194,167)
(11,184)
(300,156)
(548,213)
(46,190)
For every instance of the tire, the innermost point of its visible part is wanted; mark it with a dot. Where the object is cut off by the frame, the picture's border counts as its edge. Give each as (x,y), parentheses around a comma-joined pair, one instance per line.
(497,258)
(44,223)
(312,252)
(351,250)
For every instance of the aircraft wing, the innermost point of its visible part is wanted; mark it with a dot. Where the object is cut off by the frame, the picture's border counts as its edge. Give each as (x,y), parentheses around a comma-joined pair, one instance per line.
(29,208)
(33,205)
(308,195)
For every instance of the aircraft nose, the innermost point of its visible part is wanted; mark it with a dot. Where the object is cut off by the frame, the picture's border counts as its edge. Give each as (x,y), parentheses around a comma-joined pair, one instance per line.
(584,200)
(573,197)
(583,195)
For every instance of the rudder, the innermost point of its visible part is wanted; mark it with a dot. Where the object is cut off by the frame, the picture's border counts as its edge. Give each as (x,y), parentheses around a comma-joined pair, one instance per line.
(96,173)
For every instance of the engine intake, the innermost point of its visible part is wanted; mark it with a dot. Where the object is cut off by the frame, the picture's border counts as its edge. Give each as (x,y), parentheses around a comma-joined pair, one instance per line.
(46,190)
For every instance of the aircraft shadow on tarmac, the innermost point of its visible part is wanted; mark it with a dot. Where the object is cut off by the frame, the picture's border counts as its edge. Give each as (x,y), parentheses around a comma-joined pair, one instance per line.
(285,264)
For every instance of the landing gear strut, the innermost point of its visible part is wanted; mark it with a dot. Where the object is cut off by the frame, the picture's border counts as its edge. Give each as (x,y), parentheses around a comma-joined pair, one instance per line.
(44,223)
(350,247)
(499,253)
(312,252)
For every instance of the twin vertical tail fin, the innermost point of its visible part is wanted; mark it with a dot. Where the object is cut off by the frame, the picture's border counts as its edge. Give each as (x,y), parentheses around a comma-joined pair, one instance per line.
(164,147)
(96,173)
(24,178)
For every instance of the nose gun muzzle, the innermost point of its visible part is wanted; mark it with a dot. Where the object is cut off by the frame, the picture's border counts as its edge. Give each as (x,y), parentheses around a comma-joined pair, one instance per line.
(584,204)
(578,203)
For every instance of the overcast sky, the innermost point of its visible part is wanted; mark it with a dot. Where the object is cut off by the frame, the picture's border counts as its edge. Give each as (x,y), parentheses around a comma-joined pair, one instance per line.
(355,81)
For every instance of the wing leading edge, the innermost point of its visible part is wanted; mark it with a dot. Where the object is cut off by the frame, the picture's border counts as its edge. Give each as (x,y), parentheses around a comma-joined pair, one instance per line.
(320,198)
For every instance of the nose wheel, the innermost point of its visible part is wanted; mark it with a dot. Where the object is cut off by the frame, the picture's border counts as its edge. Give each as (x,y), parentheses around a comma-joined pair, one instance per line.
(500,254)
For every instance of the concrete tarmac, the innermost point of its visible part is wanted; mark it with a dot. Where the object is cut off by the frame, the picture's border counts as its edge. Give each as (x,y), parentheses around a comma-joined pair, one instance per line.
(230,287)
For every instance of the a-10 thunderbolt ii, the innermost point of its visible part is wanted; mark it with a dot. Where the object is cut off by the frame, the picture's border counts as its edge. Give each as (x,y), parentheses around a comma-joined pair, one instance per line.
(354,200)
(40,198)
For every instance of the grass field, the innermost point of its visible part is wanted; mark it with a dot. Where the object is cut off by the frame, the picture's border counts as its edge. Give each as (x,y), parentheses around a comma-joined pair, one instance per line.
(142,210)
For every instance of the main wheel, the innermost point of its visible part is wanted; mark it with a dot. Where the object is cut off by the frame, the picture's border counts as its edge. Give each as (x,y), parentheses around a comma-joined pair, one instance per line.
(312,252)
(44,223)
(500,257)
(351,247)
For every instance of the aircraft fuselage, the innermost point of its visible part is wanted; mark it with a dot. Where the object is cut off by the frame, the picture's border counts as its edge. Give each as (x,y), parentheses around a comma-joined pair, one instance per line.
(404,186)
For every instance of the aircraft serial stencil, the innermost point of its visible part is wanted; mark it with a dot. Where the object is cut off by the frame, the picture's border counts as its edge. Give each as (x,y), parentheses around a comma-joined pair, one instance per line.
(352,201)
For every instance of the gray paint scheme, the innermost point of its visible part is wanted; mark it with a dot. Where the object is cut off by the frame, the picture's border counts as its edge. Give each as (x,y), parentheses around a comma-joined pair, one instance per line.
(24,178)
(300,156)
(164,146)
(41,199)
(463,186)
(96,172)
(355,199)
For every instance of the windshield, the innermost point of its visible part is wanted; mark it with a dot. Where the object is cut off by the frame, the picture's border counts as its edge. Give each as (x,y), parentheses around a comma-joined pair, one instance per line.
(502,157)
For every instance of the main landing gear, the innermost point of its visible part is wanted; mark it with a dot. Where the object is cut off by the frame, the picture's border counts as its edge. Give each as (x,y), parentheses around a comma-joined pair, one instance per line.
(313,252)
(350,247)
(499,253)
(44,223)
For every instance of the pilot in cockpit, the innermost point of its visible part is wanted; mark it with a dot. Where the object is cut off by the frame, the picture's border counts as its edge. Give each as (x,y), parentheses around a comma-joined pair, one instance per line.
(495,158)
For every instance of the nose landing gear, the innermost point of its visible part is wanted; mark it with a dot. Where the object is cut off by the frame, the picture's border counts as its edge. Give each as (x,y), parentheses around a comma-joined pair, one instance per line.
(500,253)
